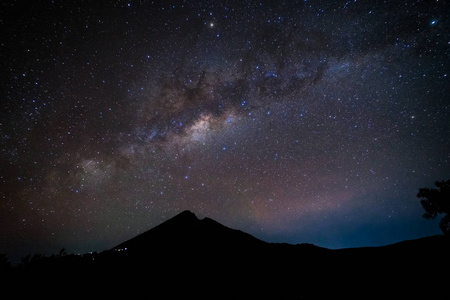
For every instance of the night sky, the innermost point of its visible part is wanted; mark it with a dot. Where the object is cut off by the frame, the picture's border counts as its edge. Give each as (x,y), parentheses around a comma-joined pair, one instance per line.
(295,121)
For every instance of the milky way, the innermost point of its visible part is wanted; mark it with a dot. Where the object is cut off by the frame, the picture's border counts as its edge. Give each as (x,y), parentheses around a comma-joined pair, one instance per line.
(295,121)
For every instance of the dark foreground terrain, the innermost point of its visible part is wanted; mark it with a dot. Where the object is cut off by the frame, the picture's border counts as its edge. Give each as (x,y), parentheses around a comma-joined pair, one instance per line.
(202,258)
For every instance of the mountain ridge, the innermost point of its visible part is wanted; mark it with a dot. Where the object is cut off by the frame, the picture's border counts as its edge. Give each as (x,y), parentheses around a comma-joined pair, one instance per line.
(185,251)
(186,222)
(187,231)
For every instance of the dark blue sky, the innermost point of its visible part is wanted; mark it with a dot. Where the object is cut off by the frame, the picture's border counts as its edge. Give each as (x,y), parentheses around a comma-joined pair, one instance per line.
(295,121)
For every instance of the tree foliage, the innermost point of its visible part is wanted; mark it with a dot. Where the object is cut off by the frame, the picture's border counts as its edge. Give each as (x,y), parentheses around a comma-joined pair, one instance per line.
(437,201)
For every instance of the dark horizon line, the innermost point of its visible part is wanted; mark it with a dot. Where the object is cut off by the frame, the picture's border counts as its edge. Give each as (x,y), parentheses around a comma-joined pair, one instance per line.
(62,251)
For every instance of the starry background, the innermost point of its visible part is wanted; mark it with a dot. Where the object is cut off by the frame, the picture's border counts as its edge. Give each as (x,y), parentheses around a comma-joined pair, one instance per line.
(295,121)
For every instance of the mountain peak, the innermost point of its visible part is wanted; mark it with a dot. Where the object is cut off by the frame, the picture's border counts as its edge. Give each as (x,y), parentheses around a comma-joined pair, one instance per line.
(183,219)
(187,230)
(186,214)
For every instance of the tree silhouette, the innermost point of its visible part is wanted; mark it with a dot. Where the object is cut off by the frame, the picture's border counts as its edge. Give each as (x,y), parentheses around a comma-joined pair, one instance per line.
(437,201)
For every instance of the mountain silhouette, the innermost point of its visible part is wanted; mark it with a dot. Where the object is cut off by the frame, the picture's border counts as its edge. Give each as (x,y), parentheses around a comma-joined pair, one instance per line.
(187,232)
(185,255)
(219,253)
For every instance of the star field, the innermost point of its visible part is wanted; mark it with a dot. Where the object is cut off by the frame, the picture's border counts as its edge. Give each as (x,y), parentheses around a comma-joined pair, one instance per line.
(295,121)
